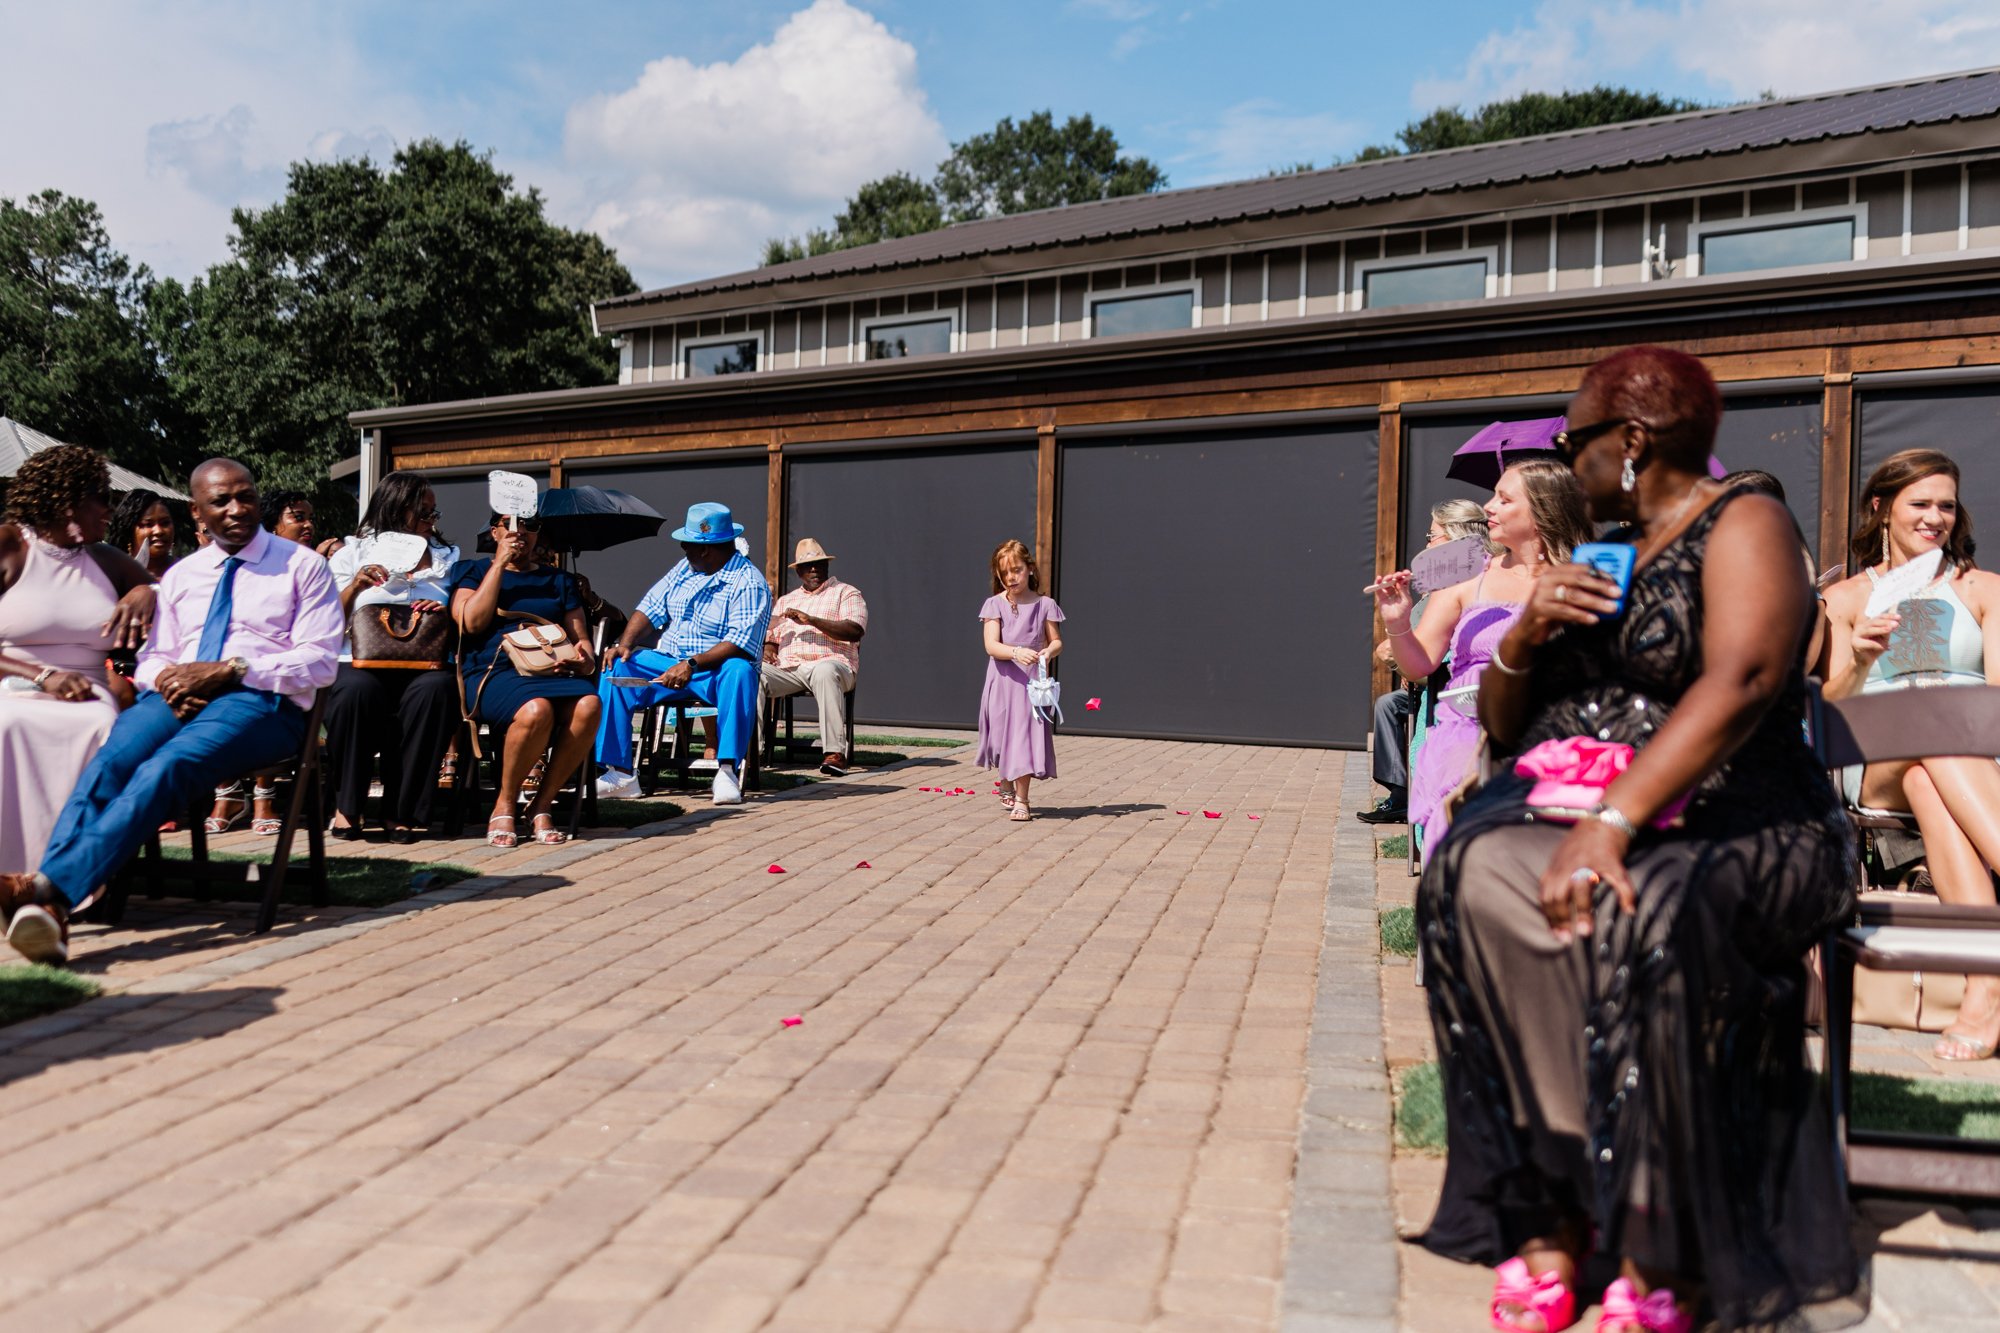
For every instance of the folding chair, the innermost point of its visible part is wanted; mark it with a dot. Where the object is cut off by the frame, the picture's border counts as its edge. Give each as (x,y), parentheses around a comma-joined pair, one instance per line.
(1421,719)
(668,730)
(468,787)
(307,804)
(776,710)
(1904,936)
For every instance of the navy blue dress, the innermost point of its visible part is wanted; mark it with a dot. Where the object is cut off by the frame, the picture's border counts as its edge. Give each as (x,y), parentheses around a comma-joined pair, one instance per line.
(548,593)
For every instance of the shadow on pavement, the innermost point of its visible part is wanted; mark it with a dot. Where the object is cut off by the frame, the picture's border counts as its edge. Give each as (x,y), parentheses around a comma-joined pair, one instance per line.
(1090,811)
(127,1024)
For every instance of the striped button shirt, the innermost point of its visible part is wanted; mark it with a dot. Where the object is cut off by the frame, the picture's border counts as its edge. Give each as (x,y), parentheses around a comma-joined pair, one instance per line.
(694,612)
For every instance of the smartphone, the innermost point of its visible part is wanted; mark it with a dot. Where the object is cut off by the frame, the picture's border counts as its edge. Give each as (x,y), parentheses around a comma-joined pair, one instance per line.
(1611,559)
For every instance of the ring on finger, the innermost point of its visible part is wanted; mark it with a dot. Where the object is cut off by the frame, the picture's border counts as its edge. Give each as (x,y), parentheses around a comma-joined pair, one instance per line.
(1585,875)
(1562,592)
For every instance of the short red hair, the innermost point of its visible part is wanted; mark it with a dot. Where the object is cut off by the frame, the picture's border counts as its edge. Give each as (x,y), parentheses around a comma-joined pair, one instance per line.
(1671,392)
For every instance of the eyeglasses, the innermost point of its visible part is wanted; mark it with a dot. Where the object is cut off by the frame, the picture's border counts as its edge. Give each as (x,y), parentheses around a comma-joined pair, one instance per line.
(425,515)
(1570,443)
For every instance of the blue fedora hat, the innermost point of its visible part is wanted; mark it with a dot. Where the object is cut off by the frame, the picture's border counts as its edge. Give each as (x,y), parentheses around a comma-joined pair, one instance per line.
(708,524)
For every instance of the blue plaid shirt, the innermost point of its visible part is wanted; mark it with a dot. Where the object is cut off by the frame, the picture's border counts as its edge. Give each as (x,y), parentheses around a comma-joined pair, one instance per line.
(694,612)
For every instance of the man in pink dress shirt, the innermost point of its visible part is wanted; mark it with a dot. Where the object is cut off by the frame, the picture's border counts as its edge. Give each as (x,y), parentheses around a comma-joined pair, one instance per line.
(247,632)
(814,644)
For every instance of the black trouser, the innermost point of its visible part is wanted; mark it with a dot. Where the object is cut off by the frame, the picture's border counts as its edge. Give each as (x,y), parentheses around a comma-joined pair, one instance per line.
(1392,766)
(407,717)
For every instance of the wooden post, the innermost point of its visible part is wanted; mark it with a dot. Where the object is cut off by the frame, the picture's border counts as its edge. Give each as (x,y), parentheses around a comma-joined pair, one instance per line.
(1836,465)
(1388,508)
(1045,504)
(774,512)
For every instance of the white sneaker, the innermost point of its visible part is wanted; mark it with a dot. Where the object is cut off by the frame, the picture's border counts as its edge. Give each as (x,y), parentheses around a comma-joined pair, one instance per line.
(613,785)
(728,791)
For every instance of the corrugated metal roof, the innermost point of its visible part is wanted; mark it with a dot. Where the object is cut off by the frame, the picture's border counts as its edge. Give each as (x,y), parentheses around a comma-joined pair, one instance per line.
(1964,96)
(18,443)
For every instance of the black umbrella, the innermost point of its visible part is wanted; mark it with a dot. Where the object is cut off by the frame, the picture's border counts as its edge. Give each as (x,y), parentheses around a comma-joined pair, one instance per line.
(589,518)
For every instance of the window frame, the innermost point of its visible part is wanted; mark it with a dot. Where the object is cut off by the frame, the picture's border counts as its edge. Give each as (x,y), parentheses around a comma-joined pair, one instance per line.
(873,322)
(1191,287)
(1698,232)
(688,345)
(1433,259)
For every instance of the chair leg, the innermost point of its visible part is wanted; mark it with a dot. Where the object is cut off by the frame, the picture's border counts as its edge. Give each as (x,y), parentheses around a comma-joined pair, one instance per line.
(1837,966)
(281,855)
(683,745)
(315,821)
(645,756)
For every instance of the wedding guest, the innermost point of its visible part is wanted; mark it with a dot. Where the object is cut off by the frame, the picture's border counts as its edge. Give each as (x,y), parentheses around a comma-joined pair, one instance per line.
(145,526)
(1022,631)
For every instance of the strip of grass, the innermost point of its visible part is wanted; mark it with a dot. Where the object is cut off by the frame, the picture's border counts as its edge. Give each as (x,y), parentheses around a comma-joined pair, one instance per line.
(1399,931)
(28,990)
(1958,1108)
(890,742)
(351,881)
(1420,1109)
(1393,848)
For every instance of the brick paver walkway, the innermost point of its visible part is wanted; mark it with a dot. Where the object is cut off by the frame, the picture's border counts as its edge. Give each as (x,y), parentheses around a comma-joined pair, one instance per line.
(1047,1075)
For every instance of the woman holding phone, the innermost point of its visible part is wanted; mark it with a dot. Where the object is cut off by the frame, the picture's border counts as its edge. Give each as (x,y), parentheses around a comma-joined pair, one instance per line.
(1618,992)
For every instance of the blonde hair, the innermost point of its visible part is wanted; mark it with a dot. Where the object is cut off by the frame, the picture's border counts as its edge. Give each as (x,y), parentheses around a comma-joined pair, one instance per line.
(1459,518)
(1562,520)
(1011,549)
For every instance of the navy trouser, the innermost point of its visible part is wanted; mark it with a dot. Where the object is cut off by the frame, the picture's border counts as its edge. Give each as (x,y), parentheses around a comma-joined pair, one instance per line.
(730,689)
(154,767)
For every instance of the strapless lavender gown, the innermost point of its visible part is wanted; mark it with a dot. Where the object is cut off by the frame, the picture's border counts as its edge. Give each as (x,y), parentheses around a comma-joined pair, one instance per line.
(1445,758)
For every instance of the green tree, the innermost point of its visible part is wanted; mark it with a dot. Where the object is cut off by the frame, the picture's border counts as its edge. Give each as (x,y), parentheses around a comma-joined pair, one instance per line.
(1528,114)
(363,287)
(75,361)
(1038,164)
(1035,164)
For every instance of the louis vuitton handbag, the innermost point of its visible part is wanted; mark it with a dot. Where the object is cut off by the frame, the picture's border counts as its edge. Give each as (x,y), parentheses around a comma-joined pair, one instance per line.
(400,638)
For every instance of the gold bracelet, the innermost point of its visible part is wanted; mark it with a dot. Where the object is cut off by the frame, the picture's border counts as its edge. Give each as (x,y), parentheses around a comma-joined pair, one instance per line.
(1501,666)
(1399,633)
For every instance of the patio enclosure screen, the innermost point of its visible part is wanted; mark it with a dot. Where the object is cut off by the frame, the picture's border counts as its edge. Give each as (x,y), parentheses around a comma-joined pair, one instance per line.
(1960,420)
(914,530)
(622,574)
(1213,584)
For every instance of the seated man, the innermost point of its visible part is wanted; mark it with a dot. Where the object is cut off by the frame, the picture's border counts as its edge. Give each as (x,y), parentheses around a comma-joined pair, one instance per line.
(1391,764)
(812,645)
(248,631)
(711,610)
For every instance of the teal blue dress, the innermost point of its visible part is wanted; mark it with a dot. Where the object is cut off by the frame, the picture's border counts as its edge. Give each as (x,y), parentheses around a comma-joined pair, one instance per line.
(548,593)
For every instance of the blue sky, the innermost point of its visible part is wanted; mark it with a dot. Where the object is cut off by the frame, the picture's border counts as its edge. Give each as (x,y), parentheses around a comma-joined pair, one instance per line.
(687,133)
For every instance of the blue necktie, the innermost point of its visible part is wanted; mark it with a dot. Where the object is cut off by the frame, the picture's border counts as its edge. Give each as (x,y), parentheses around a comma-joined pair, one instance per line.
(215,629)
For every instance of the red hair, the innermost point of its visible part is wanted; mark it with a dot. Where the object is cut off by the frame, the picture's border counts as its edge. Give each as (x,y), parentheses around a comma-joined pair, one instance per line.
(1671,392)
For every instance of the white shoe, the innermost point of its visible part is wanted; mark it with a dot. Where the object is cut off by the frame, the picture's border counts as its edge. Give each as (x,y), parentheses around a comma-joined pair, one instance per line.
(702,765)
(613,785)
(728,791)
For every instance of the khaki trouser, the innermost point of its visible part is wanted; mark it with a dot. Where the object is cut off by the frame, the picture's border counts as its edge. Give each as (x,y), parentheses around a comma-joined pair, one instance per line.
(828,681)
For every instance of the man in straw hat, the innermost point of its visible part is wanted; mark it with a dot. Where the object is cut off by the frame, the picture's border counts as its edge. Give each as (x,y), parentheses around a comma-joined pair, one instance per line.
(813,644)
(712,610)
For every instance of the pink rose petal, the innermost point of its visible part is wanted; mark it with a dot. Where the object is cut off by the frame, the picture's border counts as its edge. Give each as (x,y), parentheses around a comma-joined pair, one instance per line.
(1211,814)
(775,869)
(863,865)
(1253,816)
(793,1021)
(1092,705)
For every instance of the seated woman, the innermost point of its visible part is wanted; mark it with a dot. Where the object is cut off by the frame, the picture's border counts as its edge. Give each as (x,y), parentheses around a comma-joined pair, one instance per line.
(1533,520)
(406,715)
(486,596)
(67,600)
(147,526)
(1945,635)
(1618,991)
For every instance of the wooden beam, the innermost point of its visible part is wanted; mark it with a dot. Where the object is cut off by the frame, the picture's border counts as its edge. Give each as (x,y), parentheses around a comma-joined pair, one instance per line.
(1836,459)
(1388,507)
(774,512)
(1045,505)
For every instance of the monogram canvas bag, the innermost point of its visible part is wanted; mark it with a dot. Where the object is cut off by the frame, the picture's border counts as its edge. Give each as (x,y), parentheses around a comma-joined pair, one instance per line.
(399,638)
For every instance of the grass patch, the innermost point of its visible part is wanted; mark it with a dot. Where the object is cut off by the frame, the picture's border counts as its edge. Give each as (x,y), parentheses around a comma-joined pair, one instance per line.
(805,738)
(1420,1109)
(1958,1108)
(1399,931)
(631,814)
(351,881)
(1395,847)
(29,991)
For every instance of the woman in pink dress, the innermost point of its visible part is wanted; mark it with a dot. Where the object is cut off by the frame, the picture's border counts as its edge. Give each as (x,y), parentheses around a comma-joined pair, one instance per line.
(66,602)
(1021,629)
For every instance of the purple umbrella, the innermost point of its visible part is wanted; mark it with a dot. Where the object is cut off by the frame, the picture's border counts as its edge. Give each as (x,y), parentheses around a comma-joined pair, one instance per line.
(1481,459)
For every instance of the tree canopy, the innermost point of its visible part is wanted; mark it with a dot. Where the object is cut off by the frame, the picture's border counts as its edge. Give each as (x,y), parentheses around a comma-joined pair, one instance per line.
(1528,114)
(1014,168)
(363,287)
(74,357)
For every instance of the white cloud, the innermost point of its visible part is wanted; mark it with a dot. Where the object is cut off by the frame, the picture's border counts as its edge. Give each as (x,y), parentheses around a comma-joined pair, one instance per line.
(694,165)
(1735,48)
(1257,136)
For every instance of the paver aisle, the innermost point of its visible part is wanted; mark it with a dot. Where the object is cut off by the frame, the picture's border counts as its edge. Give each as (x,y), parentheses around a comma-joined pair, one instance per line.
(1047,1075)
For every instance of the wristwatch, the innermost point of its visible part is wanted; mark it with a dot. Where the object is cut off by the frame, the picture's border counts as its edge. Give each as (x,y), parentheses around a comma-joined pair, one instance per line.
(239,667)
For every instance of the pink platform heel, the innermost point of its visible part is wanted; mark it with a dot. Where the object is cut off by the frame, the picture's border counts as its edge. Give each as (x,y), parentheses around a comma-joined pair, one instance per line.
(1624,1310)
(1539,1304)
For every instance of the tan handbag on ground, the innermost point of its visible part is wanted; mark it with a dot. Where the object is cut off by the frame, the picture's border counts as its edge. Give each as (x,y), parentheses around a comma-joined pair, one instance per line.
(1912,1001)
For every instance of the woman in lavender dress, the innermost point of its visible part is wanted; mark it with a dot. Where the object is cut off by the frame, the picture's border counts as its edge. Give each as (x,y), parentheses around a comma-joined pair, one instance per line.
(1535,518)
(1021,629)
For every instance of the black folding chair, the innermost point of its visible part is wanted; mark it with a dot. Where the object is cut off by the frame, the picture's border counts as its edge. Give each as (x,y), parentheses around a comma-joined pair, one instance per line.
(780,710)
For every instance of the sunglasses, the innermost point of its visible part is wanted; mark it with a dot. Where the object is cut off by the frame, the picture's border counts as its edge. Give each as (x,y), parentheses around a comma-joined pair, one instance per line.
(524,524)
(1570,443)
(425,515)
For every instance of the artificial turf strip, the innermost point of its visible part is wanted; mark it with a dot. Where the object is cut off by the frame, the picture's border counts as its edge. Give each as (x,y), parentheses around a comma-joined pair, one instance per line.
(1420,1109)
(1393,848)
(1399,931)
(1958,1108)
(28,991)
(351,881)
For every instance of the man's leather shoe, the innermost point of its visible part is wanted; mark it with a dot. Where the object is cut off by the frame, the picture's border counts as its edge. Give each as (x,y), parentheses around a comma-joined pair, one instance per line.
(1384,814)
(834,765)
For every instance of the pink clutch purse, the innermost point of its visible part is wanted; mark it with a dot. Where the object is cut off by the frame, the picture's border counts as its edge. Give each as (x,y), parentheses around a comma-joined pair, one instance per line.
(1571,775)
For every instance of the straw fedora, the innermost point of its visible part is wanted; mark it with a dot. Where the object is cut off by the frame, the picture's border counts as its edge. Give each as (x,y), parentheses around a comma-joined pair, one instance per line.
(808,551)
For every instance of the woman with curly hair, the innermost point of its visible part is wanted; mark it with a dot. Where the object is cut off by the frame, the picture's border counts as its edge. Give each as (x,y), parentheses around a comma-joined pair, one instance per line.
(66,601)
(147,526)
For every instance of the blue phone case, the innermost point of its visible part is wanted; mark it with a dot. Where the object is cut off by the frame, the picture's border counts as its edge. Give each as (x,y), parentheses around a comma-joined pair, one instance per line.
(1611,559)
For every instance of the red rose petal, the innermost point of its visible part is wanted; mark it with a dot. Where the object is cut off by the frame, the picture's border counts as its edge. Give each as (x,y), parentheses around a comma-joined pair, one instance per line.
(1253,816)
(1211,814)
(775,869)
(863,865)
(1183,812)
(1092,705)
(793,1021)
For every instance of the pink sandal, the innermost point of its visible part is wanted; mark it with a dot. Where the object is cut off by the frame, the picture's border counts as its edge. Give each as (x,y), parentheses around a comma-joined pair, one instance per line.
(1624,1310)
(1533,1297)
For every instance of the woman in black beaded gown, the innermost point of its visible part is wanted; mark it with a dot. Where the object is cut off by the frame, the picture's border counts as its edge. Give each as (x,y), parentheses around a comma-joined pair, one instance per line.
(1620,1016)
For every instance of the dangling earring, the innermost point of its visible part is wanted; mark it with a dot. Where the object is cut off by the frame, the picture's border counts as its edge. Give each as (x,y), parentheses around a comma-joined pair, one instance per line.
(1628,478)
